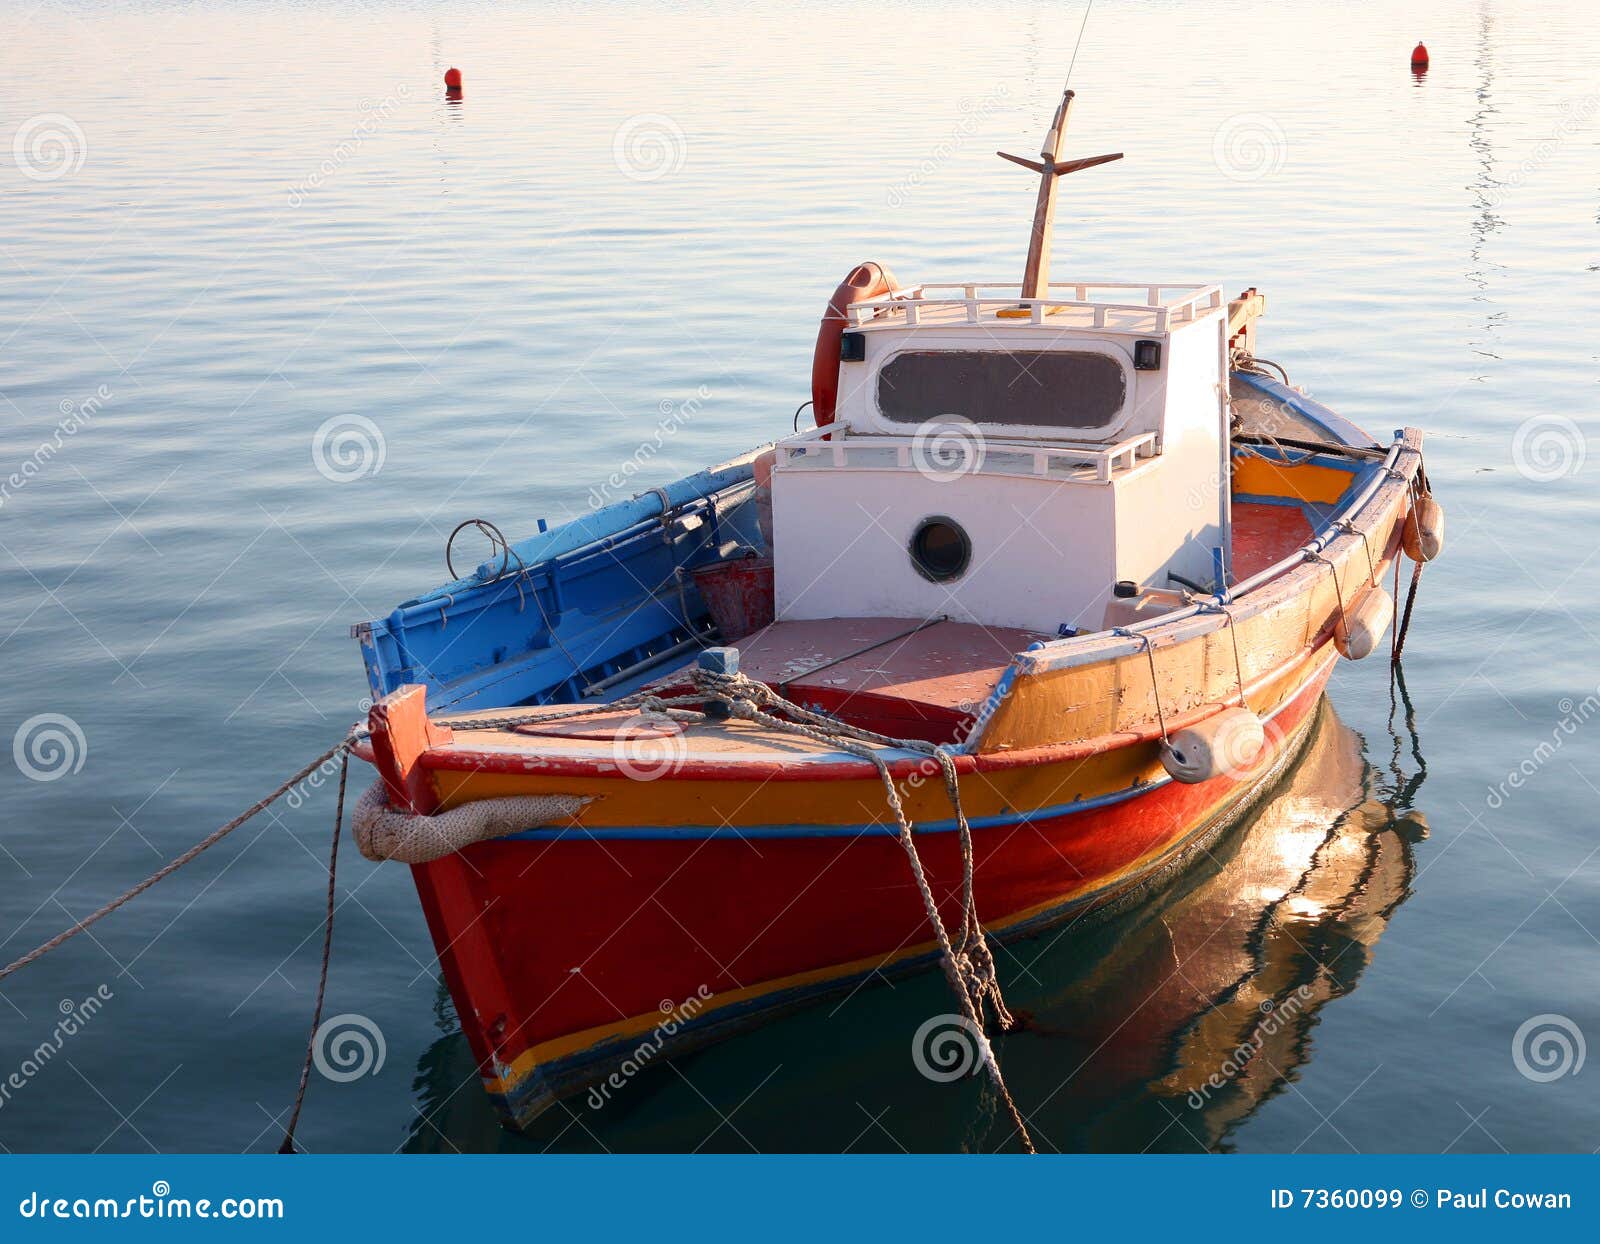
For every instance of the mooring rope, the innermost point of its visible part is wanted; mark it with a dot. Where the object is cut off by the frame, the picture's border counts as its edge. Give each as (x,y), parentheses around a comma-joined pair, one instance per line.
(166,870)
(967,960)
(327,955)
(1405,618)
(968,965)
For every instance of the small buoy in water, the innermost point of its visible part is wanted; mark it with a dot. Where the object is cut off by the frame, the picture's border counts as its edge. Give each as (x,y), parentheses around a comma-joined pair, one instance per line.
(1364,625)
(452,80)
(1419,56)
(1229,742)
(1422,537)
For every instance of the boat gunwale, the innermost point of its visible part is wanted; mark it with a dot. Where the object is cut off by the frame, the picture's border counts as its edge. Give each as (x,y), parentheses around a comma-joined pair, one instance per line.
(1247,599)
(979,822)
(837,766)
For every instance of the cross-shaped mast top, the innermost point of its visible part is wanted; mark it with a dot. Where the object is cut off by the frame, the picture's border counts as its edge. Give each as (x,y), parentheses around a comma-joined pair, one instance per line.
(1049,166)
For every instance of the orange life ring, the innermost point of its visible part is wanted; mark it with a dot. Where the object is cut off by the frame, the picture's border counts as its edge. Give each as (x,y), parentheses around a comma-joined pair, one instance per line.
(865,282)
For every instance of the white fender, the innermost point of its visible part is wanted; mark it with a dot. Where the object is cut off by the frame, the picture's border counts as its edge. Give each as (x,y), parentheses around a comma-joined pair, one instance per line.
(1229,742)
(382,833)
(1364,624)
(1422,537)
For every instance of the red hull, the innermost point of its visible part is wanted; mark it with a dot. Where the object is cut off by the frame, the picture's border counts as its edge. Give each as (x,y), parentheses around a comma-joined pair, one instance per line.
(563,956)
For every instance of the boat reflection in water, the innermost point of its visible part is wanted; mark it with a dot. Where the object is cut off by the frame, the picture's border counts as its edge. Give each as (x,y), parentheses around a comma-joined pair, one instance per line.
(1162,1028)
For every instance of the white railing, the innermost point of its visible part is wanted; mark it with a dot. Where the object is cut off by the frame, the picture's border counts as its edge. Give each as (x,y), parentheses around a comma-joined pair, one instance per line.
(1106,303)
(867,451)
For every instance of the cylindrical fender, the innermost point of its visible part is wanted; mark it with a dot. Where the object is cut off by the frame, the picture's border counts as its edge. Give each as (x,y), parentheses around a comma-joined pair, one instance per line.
(1422,537)
(1229,742)
(865,282)
(1364,624)
(762,471)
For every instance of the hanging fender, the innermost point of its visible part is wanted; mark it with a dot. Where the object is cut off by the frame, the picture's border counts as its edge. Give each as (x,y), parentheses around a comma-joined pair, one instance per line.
(1422,537)
(1228,742)
(1364,624)
(865,282)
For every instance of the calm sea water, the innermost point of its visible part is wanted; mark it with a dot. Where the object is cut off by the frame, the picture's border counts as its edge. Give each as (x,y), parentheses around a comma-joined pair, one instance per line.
(230,228)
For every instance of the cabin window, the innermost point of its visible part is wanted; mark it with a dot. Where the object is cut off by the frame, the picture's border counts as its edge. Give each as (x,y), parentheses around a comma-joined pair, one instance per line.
(940,549)
(1070,389)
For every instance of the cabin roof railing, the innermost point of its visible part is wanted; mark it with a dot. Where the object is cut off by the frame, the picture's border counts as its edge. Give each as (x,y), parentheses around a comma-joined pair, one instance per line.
(842,447)
(1106,306)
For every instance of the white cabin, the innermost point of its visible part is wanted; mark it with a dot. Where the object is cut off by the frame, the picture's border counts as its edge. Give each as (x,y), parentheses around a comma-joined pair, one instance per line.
(1007,461)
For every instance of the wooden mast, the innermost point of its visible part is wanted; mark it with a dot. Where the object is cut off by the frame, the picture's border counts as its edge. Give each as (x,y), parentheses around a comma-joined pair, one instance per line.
(1049,166)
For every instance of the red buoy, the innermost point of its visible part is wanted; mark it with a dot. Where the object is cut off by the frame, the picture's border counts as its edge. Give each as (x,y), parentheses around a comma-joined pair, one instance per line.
(452,76)
(1419,56)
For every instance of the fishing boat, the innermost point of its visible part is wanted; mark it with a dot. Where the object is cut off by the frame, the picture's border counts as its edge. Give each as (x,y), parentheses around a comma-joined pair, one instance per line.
(1046,596)
(1161,1029)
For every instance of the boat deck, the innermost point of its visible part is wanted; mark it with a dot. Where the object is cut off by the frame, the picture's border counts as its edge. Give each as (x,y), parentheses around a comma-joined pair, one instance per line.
(904,677)
(1264,534)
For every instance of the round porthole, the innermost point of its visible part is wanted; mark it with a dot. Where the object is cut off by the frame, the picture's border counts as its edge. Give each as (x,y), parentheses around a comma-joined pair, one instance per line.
(940,549)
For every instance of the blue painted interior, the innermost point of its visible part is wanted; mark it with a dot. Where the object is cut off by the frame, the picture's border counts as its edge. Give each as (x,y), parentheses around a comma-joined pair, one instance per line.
(572,605)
